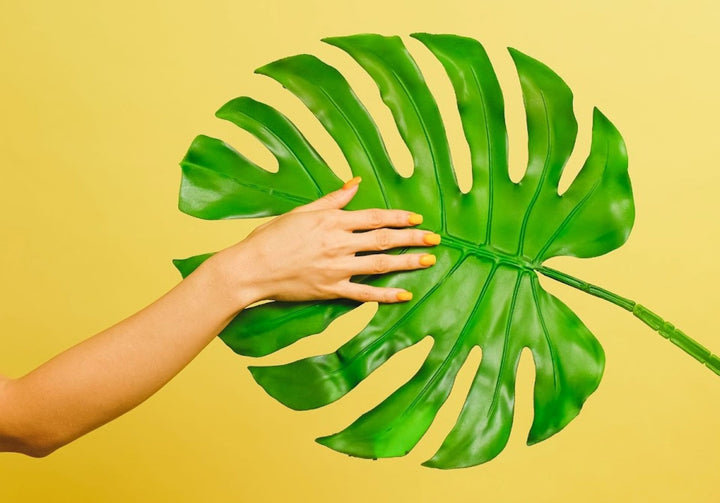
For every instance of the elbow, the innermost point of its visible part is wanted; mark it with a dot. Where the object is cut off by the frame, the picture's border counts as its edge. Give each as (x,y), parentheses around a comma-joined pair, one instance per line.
(21,434)
(39,448)
(35,446)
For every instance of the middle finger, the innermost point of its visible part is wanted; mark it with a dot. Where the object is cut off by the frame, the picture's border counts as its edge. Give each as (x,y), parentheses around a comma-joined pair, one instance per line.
(384,239)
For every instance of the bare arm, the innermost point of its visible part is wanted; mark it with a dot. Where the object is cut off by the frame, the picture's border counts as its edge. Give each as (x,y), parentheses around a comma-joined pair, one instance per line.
(308,253)
(112,372)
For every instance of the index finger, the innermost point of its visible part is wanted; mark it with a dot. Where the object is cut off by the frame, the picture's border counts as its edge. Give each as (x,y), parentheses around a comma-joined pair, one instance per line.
(375,218)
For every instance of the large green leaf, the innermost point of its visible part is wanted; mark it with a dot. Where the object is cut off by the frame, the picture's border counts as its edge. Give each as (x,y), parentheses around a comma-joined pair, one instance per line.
(484,289)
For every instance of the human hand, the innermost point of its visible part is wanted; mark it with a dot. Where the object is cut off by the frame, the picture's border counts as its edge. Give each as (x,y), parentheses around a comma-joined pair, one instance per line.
(309,252)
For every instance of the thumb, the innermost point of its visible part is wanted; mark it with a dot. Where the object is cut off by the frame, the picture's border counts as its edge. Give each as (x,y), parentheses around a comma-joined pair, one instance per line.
(335,199)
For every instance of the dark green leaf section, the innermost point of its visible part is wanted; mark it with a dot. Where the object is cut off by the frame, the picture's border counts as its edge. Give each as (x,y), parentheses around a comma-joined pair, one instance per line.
(482,113)
(219,182)
(596,213)
(509,311)
(568,360)
(483,291)
(299,165)
(328,95)
(320,380)
(266,328)
(416,114)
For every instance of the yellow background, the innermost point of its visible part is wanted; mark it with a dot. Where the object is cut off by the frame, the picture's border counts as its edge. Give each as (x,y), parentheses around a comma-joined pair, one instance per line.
(99,102)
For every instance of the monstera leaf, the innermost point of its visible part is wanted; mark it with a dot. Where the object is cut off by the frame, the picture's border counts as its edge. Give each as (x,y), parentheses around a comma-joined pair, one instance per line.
(484,289)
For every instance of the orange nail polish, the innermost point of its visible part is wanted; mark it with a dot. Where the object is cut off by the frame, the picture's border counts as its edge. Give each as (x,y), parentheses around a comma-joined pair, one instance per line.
(404,295)
(431,238)
(352,182)
(428,259)
(415,219)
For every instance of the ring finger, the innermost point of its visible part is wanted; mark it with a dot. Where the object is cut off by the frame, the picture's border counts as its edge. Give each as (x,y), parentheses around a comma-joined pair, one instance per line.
(379,263)
(384,239)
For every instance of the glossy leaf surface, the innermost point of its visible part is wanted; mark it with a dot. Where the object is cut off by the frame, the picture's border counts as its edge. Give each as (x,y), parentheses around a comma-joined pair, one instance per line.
(484,289)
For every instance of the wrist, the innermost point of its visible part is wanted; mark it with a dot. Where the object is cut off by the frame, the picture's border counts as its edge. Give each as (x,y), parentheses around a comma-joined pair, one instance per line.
(232,277)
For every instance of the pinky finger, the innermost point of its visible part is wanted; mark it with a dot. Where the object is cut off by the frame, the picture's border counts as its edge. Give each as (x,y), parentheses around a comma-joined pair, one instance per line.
(367,293)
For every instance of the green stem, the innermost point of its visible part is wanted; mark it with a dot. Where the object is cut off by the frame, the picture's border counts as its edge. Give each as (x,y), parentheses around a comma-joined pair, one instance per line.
(667,330)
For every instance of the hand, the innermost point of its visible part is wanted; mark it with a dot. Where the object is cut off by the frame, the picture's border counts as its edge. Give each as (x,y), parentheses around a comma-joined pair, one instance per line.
(309,252)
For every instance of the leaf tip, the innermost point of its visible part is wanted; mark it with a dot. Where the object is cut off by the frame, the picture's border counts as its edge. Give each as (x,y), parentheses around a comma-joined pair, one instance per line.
(597,114)
(535,438)
(441,462)
(523,62)
(420,35)
(233,105)
(256,373)
(515,53)
(326,441)
(329,40)
(262,70)
(605,126)
(521,59)
(430,463)
(602,119)
(339,42)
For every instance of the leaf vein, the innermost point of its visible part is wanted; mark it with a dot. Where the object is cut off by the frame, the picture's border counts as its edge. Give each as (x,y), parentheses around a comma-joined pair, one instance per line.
(361,141)
(431,148)
(287,147)
(553,358)
(483,106)
(574,211)
(505,343)
(458,341)
(381,338)
(538,189)
(260,188)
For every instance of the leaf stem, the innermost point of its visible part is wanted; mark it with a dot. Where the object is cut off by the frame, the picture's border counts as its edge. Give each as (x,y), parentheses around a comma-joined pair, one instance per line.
(664,328)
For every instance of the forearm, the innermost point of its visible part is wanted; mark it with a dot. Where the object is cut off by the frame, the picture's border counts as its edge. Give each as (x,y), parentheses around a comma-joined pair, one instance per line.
(117,369)
(309,253)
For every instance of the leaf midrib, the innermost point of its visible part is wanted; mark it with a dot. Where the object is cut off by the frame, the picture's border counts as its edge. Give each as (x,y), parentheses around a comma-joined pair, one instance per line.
(489,252)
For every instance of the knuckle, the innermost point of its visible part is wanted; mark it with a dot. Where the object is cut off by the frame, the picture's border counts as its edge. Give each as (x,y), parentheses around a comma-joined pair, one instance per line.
(368,295)
(383,239)
(332,217)
(332,196)
(381,264)
(375,217)
(412,261)
(328,291)
(385,295)
(324,219)
(364,295)
(326,246)
(331,245)
(417,236)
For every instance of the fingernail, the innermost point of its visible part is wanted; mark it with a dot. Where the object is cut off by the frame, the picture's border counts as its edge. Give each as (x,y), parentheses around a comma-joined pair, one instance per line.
(404,295)
(415,219)
(428,259)
(352,182)
(431,238)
